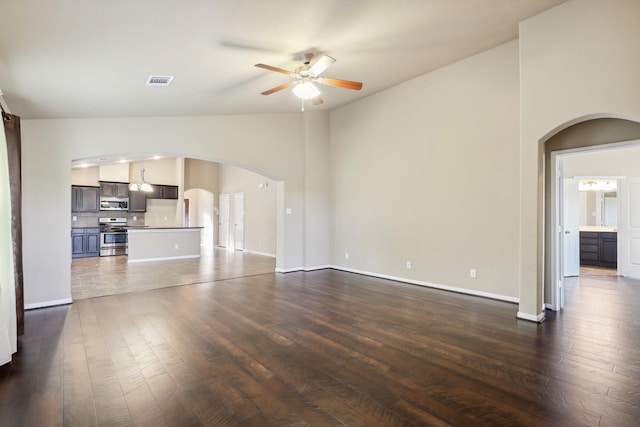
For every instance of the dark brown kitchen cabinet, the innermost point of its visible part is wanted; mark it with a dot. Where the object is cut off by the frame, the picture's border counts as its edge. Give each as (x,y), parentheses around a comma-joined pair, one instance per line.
(157,192)
(170,192)
(85,199)
(599,249)
(85,242)
(163,192)
(114,189)
(137,201)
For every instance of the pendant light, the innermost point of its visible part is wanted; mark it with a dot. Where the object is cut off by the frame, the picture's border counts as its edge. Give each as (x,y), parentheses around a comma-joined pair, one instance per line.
(141,185)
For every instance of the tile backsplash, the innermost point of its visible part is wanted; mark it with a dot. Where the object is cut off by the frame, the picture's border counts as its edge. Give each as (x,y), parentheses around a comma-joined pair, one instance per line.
(91,219)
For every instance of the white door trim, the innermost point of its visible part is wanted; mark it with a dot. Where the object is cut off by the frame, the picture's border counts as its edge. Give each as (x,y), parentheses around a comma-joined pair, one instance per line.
(557,280)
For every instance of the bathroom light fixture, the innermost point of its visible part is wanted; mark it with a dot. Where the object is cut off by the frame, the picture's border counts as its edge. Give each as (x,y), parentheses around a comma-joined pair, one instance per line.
(141,185)
(597,185)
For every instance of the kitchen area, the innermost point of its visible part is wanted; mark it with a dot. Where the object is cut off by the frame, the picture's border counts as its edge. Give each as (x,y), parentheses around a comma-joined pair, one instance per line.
(110,201)
(128,241)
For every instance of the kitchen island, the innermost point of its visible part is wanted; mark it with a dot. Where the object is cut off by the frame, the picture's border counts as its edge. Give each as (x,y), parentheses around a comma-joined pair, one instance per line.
(163,243)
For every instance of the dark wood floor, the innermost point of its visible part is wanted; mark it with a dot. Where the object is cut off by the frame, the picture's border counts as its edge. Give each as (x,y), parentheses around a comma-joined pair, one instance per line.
(327,348)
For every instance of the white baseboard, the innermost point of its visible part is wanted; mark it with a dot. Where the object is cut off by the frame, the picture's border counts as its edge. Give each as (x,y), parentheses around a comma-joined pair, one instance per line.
(248,251)
(44,304)
(319,267)
(293,270)
(472,292)
(531,317)
(433,285)
(289,270)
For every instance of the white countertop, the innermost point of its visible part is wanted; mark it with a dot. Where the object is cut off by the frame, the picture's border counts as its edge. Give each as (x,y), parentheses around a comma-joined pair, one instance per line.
(599,228)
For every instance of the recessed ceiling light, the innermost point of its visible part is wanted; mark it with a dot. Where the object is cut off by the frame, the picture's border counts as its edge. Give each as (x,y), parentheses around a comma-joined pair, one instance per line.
(158,80)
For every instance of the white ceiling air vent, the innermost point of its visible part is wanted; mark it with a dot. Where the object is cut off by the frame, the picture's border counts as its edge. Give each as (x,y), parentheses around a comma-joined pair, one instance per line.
(159,80)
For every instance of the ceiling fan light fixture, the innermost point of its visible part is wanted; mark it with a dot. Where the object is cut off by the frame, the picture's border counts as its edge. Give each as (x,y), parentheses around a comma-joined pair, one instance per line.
(306,90)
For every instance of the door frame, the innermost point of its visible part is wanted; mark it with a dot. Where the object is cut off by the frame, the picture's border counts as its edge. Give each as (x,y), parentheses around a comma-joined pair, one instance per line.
(228,211)
(557,245)
(238,212)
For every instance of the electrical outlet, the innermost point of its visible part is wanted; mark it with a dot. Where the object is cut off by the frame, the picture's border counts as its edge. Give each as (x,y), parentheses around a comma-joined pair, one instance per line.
(346,255)
(176,246)
(472,273)
(408,264)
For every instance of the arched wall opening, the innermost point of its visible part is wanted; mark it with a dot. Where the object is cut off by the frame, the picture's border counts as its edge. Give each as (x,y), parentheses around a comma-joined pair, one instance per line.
(289,148)
(581,133)
(200,184)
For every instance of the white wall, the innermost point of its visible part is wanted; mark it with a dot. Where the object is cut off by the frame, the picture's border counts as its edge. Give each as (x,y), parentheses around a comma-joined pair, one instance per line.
(201,214)
(259,206)
(578,60)
(427,172)
(201,177)
(271,144)
(623,161)
(85,176)
(160,171)
(201,174)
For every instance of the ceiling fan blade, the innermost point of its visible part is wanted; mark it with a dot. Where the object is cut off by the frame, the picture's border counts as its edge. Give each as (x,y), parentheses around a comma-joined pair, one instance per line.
(321,64)
(276,69)
(317,100)
(279,88)
(345,84)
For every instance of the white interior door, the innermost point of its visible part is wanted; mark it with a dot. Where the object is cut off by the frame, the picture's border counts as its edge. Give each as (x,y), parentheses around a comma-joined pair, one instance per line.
(238,221)
(223,221)
(571,227)
(629,228)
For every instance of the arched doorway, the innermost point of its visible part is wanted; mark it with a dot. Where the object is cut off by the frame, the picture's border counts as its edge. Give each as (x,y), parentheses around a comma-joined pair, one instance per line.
(198,182)
(590,133)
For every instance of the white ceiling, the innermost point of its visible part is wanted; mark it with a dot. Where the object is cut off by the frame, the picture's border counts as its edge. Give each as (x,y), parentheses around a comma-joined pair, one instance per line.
(90,58)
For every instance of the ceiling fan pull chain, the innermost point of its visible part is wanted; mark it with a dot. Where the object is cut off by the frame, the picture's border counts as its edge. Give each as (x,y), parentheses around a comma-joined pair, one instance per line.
(302,105)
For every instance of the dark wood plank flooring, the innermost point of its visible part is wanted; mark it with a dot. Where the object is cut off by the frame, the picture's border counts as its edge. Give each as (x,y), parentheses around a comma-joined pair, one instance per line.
(327,348)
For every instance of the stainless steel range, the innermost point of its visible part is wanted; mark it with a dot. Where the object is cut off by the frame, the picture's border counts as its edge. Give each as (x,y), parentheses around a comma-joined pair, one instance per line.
(113,236)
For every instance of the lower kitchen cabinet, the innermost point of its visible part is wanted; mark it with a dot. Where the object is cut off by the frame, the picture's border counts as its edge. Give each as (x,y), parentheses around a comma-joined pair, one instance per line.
(85,242)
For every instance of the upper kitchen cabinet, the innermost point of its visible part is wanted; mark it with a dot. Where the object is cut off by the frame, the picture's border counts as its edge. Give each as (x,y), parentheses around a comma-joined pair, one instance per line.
(137,201)
(163,192)
(114,189)
(170,192)
(85,199)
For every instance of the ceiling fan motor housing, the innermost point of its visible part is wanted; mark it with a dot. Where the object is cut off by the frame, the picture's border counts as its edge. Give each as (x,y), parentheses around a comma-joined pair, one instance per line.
(306,57)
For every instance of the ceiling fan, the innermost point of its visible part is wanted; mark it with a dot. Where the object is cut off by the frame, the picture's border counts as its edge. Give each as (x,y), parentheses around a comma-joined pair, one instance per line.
(306,75)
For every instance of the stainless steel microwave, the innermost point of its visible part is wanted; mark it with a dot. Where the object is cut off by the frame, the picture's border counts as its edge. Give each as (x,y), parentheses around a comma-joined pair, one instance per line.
(114,204)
